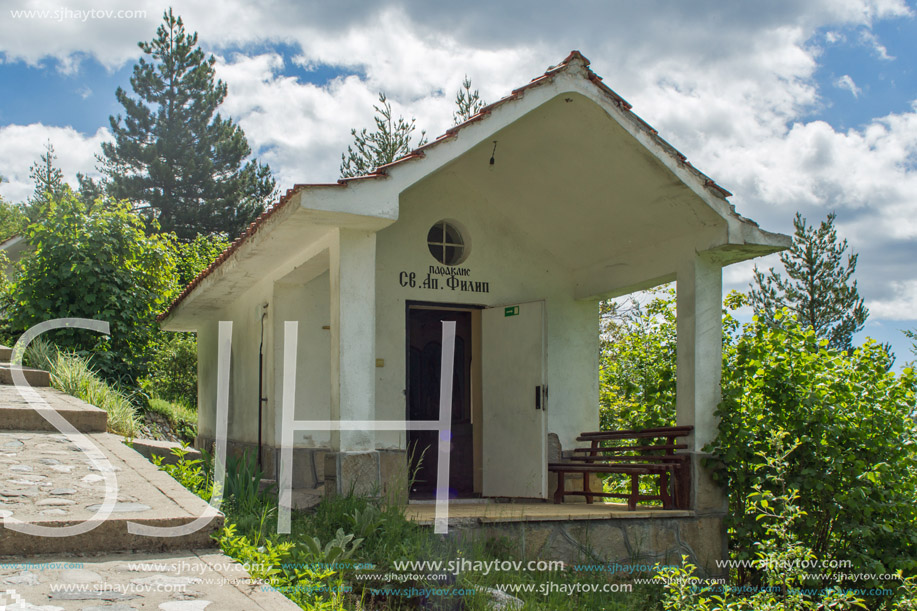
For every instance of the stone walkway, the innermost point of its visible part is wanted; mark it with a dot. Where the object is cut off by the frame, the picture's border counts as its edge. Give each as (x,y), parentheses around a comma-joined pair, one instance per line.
(46,480)
(192,581)
(54,482)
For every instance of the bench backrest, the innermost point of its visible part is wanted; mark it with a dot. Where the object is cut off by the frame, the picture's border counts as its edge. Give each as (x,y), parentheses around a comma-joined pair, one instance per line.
(645,441)
(664,431)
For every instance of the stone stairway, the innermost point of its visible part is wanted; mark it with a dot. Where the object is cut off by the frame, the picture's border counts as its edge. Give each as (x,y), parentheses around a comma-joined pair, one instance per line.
(17,414)
(52,481)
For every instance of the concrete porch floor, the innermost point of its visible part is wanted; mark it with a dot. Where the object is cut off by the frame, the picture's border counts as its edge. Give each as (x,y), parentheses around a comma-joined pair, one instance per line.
(485,512)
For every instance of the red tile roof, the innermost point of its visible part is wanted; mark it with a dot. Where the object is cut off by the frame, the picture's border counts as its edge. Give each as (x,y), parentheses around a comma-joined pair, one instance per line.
(418,153)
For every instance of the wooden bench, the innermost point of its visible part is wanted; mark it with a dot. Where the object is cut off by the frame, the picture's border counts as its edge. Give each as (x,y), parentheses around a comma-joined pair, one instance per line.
(636,452)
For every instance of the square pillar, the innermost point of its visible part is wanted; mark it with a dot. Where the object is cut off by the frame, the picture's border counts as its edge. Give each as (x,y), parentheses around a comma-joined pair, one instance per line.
(353,463)
(699,367)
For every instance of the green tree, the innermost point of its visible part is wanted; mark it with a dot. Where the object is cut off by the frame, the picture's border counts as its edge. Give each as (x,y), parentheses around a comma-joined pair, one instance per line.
(172,357)
(90,190)
(172,371)
(12,219)
(468,103)
(391,140)
(173,155)
(94,262)
(855,465)
(637,364)
(49,184)
(856,462)
(818,289)
(192,257)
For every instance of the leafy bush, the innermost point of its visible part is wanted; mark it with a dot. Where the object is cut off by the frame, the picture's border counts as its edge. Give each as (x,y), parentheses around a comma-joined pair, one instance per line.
(781,557)
(172,369)
(856,465)
(192,257)
(637,373)
(94,262)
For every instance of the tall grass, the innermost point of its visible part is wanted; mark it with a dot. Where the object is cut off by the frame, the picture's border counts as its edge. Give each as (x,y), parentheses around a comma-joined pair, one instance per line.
(73,375)
(181,417)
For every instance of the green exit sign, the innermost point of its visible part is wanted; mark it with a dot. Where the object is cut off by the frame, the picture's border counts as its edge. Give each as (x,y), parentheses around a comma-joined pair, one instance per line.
(511,311)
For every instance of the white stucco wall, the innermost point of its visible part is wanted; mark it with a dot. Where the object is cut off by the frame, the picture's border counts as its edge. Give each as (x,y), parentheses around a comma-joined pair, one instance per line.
(309,305)
(516,269)
(245,314)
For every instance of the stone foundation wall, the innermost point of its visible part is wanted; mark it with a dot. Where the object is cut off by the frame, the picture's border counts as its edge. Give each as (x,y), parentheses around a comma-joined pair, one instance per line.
(308,463)
(381,470)
(626,541)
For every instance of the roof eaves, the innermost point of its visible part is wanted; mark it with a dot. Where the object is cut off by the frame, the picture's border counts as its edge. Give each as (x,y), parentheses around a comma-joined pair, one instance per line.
(452,132)
(252,229)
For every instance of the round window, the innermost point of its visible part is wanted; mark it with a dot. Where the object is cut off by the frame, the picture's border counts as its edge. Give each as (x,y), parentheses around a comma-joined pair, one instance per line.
(446,243)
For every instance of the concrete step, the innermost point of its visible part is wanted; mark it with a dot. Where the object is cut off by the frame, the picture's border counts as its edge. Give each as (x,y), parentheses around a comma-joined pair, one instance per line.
(46,479)
(5,354)
(35,377)
(17,414)
(157,447)
(179,581)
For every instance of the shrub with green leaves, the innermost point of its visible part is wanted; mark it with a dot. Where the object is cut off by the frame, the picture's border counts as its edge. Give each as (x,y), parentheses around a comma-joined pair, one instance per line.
(781,558)
(195,255)
(637,371)
(856,464)
(172,369)
(94,262)
(856,468)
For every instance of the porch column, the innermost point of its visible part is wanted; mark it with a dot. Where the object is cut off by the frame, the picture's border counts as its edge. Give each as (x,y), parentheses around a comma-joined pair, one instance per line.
(353,463)
(699,366)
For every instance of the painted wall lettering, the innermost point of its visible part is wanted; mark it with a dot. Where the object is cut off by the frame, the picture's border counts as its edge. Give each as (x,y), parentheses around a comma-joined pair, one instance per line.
(453,283)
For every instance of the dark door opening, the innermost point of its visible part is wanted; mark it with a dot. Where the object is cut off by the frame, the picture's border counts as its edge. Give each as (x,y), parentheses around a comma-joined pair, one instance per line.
(425,332)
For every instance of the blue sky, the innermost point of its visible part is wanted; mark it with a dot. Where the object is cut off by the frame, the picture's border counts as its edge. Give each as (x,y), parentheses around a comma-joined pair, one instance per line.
(792,106)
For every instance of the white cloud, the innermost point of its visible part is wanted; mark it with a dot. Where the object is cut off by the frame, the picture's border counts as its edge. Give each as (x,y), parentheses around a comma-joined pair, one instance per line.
(869,39)
(34,31)
(846,82)
(22,145)
(730,84)
(901,305)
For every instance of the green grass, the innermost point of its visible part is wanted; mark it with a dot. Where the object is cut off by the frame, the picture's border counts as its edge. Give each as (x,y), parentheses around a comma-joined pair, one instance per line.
(368,536)
(181,417)
(73,375)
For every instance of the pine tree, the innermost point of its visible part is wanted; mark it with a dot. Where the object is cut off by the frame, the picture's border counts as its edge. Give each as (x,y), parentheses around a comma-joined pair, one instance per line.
(49,183)
(173,155)
(468,102)
(90,190)
(391,140)
(818,288)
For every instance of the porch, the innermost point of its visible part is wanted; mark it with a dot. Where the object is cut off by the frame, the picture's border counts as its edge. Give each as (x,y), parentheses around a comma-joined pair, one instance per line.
(600,534)
(488,511)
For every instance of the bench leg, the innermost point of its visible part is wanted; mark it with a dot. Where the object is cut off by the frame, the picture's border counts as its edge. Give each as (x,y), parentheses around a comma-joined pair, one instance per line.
(634,491)
(682,477)
(559,493)
(586,488)
(664,490)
